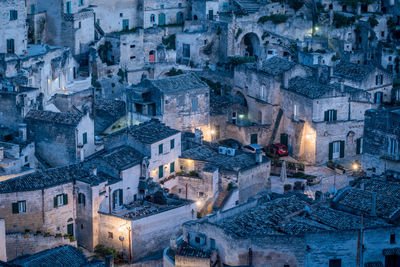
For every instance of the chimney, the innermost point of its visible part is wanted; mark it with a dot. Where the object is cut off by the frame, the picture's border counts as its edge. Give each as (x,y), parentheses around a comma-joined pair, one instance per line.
(258,156)
(172,243)
(93,171)
(330,72)
(341,86)
(82,154)
(373,204)
(109,261)
(22,132)
(285,80)
(1,153)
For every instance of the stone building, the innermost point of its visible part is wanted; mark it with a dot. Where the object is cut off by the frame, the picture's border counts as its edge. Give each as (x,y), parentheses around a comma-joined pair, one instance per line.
(381,140)
(158,142)
(13,36)
(373,79)
(218,177)
(322,121)
(61,138)
(163,13)
(68,23)
(181,102)
(106,113)
(296,231)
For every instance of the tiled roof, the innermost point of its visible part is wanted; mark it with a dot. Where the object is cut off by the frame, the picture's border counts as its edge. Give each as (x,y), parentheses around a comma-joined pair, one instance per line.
(178,83)
(353,71)
(120,158)
(241,160)
(52,177)
(361,201)
(219,105)
(276,66)
(115,108)
(67,118)
(151,131)
(67,256)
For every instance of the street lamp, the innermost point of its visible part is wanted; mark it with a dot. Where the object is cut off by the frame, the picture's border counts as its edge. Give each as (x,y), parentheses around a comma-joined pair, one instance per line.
(121,229)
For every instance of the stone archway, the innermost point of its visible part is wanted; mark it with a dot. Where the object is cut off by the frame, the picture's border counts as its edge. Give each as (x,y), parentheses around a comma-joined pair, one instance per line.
(250,45)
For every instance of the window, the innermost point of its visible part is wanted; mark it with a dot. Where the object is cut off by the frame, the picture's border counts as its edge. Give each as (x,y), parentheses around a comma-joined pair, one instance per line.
(81,2)
(179,5)
(379,79)
(330,115)
(378,97)
(393,239)
(84,138)
(160,171)
(359,146)
(194,104)
(393,146)
(19,207)
(152,18)
(60,200)
(201,194)
(133,46)
(179,18)
(295,112)
(152,56)
(382,34)
(13,14)
(132,57)
(212,243)
(186,51)
(335,263)
(180,190)
(121,15)
(110,235)
(210,14)
(82,199)
(253,139)
(125,24)
(336,150)
(160,149)
(161,19)
(172,167)
(26,158)
(33,9)
(162,6)
(172,144)
(117,198)
(197,239)
(10,46)
(79,24)
(68,8)
(390,58)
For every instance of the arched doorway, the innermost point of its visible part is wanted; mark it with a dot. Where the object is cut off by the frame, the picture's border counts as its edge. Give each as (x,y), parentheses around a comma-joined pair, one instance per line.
(161,19)
(250,45)
(179,18)
(238,97)
(195,17)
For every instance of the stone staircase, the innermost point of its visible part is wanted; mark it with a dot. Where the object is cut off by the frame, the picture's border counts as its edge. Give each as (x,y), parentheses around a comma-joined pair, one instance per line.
(250,6)
(219,202)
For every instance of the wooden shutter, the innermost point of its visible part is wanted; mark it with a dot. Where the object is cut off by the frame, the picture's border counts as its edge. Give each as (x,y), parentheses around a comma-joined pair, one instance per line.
(65,199)
(114,199)
(15,208)
(341,149)
(330,151)
(55,202)
(358,141)
(326,116)
(121,201)
(334,115)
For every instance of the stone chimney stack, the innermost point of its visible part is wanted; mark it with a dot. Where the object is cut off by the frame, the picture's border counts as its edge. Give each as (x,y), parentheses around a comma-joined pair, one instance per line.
(93,171)
(1,153)
(285,79)
(22,132)
(341,86)
(373,204)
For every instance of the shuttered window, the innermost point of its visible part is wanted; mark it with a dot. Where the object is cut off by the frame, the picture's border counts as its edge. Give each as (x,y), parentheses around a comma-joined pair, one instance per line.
(330,115)
(172,143)
(60,200)
(19,207)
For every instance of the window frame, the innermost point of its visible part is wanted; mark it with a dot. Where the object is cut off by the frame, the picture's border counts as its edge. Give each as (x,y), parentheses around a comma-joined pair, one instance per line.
(22,206)
(84,138)
(172,143)
(13,15)
(160,149)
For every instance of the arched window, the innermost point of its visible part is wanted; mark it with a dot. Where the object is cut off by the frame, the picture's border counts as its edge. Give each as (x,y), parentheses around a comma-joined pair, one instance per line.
(152,56)
(152,18)
(82,199)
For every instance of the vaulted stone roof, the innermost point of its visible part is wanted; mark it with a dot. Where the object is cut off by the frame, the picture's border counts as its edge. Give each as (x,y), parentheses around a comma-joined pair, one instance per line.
(277,65)
(66,118)
(115,108)
(353,71)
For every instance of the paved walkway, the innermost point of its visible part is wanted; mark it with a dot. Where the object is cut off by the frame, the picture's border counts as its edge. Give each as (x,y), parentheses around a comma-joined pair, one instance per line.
(329,179)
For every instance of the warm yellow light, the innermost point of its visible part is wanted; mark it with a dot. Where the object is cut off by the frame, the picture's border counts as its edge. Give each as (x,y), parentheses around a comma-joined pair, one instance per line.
(355,166)
(241,116)
(309,136)
(212,132)
(198,203)
(316,28)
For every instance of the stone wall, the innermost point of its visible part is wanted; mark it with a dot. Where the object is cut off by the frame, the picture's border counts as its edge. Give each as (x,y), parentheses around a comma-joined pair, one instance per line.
(21,244)
(3,254)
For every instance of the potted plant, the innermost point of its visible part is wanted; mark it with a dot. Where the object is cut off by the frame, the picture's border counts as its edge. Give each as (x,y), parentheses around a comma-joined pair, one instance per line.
(58,235)
(38,232)
(47,234)
(27,231)
(71,238)
(66,236)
